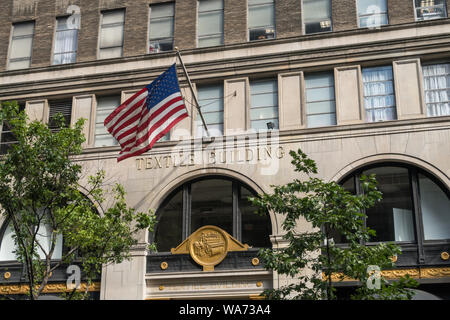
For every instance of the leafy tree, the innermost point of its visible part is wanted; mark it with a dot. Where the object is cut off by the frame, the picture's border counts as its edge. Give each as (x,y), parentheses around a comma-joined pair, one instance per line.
(42,198)
(330,209)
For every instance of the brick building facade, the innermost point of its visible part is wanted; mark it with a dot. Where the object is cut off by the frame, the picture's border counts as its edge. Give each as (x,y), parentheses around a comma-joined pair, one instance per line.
(355,96)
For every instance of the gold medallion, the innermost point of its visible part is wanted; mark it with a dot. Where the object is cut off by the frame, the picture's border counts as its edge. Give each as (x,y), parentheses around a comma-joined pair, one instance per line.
(208,246)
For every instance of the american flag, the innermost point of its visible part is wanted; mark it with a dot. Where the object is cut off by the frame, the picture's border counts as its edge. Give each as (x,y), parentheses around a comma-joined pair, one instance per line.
(148,115)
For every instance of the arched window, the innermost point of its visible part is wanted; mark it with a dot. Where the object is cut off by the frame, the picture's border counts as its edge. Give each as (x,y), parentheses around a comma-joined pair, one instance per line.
(218,201)
(8,246)
(414,211)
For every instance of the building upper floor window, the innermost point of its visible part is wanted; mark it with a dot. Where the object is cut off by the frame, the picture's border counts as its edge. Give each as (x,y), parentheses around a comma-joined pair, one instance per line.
(210,98)
(66,43)
(7,138)
(21,45)
(210,23)
(397,217)
(436,80)
(316,16)
(63,107)
(430,9)
(161,27)
(379,96)
(261,19)
(372,13)
(105,105)
(320,100)
(264,104)
(216,201)
(44,236)
(111,34)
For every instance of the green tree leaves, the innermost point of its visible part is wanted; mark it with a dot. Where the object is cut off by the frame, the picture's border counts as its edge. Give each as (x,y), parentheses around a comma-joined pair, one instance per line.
(40,189)
(312,258)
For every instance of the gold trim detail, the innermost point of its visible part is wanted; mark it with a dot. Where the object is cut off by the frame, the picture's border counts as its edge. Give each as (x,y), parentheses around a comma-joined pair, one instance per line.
(161,288)
(49,288)
(7,275)
(259,284)
(208,246)
(255,261)
(394,258)
(416,273)
(445,256)
(164,265)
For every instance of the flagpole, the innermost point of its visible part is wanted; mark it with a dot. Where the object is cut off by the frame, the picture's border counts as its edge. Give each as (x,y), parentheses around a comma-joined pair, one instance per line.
(192,90)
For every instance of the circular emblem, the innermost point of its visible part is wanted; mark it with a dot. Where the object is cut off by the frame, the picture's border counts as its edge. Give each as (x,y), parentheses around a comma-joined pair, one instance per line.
(445,256)
(208,246)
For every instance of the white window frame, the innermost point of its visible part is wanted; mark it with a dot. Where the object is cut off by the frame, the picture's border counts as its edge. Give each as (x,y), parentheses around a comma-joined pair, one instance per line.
(12,38)
(273,26)
(99,48)
(150,22)
(359,15)
(210,35)
(303,19)
(417,8)
(55,40)
(425,91)
(306,114)
(277,107)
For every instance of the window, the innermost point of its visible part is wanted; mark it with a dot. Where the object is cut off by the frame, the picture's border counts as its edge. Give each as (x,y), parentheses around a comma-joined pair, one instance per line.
(21,46)
(214,201)
(105,105)
(66,42)
(436,79)
(316,16)
(264,105)
(210,99)
(261,19)
(210,23)
(372,13)
(320,100)
(111,34)
(396,218)
(7,138)
(60,106)
(161,27)
(8,246)
(379,96)
(430,9)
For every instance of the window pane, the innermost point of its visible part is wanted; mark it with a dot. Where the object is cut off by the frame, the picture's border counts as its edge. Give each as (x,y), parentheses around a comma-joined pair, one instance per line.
(170,221)
(162,10)
(255,227)
(23,29)
(110,53)
(210,41)
(105,105)
(161,28)
(392,218)
(161,45)
(210,23)
(316,10)
(371,6)
(379,98)
(264,104)
(320,100)
(321,120)
(210,99)
(21,48)
(14,65)
(7,245)
(66,42)
(212,204)
(435,205)
(436,79)
(44,237)
(60,106)
(116,16)
(373,21)
(260,16)
(207,5)
(111,37)
(430,9)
